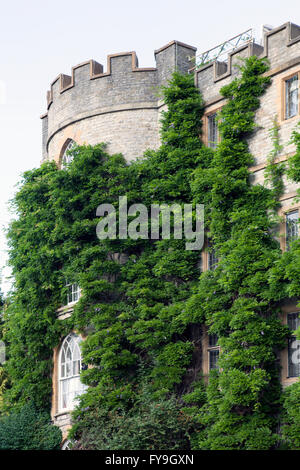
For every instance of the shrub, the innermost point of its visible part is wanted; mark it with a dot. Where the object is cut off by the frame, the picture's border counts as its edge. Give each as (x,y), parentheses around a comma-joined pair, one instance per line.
(28,429)
(149,425)
(291,416)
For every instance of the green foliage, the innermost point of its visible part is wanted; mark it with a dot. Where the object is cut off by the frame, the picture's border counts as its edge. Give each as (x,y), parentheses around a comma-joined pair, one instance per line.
(291,416)
(293,171)
(150,424)
(274,170)
(285,275)
(28,429)
(243,399)
(143,319)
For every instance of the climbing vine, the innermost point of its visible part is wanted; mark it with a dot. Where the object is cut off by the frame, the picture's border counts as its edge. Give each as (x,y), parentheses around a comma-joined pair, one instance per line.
(145,305)
(243,399)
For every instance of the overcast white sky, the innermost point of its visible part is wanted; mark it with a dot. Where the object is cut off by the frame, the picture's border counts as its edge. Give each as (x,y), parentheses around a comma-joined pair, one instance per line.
(41,38)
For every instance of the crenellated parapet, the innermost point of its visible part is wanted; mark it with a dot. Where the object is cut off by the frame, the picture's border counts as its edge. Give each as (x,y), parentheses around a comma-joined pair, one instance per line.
(117,64)
(281,46)
(123,87)
(121,105)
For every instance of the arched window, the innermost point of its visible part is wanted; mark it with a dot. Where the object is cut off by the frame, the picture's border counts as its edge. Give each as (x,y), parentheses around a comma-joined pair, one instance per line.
(66,158)
(67,445)
(70,385)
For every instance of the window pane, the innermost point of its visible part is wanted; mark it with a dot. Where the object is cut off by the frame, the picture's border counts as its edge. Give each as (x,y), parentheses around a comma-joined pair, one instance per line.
(65,394)
(69,294)
(73,292)
(199,263)
(291,96)
(293,346)
(213,359)
(293,321)
(212,259)
(76,367)
(68,369)
(213,340)
(294,357)
(70,384)
(68,354)
(291,228)
(66,159)
(212,131)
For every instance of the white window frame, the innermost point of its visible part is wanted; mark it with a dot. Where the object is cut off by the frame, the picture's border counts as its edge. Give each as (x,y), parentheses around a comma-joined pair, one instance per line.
(289,239)
(69,372)
(293,345)
(75,294)
(66,159)
(212,347)
(291,111)
(67,445)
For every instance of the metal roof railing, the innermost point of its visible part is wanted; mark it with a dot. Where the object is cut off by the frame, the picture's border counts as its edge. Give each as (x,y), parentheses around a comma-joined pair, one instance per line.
(221,51)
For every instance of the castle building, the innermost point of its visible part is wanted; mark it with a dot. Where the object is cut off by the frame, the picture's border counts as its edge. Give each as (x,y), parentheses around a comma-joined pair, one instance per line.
(121,106)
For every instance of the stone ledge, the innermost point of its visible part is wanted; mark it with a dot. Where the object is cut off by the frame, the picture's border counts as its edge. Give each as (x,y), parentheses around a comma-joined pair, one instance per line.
(62,413)
(65,311)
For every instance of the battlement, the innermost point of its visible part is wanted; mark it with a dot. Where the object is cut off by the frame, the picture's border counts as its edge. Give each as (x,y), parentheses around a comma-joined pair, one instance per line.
(281,46)
(94,70)
(90,92)
(173,54)
(121,105)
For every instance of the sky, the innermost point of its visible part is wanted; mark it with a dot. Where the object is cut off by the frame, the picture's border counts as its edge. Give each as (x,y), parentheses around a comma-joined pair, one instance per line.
(40,39)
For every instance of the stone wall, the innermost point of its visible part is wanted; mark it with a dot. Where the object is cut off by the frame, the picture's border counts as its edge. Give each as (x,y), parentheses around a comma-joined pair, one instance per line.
(120,107)
(282,49)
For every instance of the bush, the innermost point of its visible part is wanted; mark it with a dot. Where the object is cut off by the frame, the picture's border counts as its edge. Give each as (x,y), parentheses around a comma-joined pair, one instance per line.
(28,429)
(149,425)
(291,417)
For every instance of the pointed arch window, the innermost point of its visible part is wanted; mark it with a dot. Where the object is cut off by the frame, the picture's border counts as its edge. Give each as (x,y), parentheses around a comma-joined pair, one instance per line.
(67,157)
(67,445)
(70,386)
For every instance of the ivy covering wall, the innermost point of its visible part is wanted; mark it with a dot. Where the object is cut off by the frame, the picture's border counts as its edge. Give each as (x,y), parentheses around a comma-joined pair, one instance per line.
(144,318)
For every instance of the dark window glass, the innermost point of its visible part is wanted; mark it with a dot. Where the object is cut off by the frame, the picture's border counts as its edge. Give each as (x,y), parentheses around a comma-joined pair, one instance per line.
(212,259)
(213,359)
(293,347)
(291,97)
(212,340)
(199,263)
(291,228)
(212,131)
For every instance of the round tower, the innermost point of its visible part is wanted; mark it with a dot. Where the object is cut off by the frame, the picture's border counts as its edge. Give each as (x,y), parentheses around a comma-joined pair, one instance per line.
(120,107)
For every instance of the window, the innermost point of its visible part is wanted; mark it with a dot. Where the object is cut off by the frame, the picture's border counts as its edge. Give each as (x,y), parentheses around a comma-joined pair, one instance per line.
(66,156)
(70,386)
(67,445)
(212,130)
(212,259)
(291,97)
(200,263)
(291,228)
(293,346)
(213,352)
(73,292)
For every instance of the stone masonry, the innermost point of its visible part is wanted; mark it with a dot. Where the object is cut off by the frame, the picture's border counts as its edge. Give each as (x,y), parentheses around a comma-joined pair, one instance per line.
(122,108)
